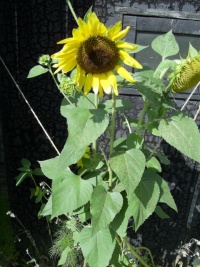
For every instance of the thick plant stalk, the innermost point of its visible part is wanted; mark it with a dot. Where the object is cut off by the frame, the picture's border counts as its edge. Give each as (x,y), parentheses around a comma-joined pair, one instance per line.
(112,132)
(96,102)
(144,110)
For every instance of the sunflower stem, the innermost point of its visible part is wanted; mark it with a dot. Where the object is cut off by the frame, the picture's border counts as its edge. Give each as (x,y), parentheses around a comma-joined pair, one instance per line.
(72,11)
(112,132)
(131,249)
(150,255)
(96,102)
(143,113)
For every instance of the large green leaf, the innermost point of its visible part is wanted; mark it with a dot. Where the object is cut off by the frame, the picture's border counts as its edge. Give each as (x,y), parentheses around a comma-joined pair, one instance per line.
(144,200)
(47,210)
(165,195)
(120,222)
(79,101)
(69,192)
(49,167)
(90,124)
(181,132)
(149,86)
(165,45)
(121,105)
(163,67)
(104,207)
(97,249)
(129,167)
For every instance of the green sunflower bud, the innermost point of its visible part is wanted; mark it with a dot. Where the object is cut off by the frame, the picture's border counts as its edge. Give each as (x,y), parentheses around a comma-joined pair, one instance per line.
(66,85)
(44,60)
(186,74)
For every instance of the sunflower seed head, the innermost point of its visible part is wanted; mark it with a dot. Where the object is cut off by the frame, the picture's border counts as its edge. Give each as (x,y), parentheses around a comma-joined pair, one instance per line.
(186,75)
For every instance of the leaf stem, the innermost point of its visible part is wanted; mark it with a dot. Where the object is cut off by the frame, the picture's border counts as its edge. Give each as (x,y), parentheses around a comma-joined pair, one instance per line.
(134,252)
(128,124)
(150,255)
(51,72)
(143,113)
(72,11)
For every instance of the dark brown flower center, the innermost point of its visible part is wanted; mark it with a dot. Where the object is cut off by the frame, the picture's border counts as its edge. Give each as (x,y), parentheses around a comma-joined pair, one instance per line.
(97,54)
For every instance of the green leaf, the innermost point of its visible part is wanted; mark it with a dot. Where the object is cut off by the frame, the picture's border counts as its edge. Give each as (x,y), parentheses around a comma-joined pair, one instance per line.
(26,163)
(115,260)
(153,163)
(90,124)
(138,49)
(163,67)
(120,144)
(104,207)
(159,211)
(78,100)
(20,178)
(162,158)
(97,249)
(69,192)
(47,210)
(36,71)
(88,12)
(144,200)
(129,167)
(134,141)
(71,153)
(165,194)
(165,45)
(37,172)
(50,167)
(120,222)
(149,86)
(181,132)
(192,51)
(121,105)
(64,255)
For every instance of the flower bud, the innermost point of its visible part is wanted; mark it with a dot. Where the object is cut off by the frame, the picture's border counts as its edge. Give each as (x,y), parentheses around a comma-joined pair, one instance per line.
(44,60)
(186,74)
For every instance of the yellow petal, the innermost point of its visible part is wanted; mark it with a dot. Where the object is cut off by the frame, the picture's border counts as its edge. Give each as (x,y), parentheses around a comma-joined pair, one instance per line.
(95,83)
(69,66)
(65,56)
(114,30)
(126,45)
(121,34)
(83,28)
(113,81)
(124,73)
(129,60)
(88,83)
(78,35)
(105,83)
(100,91)
(64,41)
(80,77)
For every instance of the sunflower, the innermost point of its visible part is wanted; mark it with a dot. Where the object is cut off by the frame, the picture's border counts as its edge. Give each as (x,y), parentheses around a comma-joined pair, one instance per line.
(186,74)
(97,53)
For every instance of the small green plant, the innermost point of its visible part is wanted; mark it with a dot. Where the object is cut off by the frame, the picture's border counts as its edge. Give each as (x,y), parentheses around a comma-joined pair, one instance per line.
(123,181)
